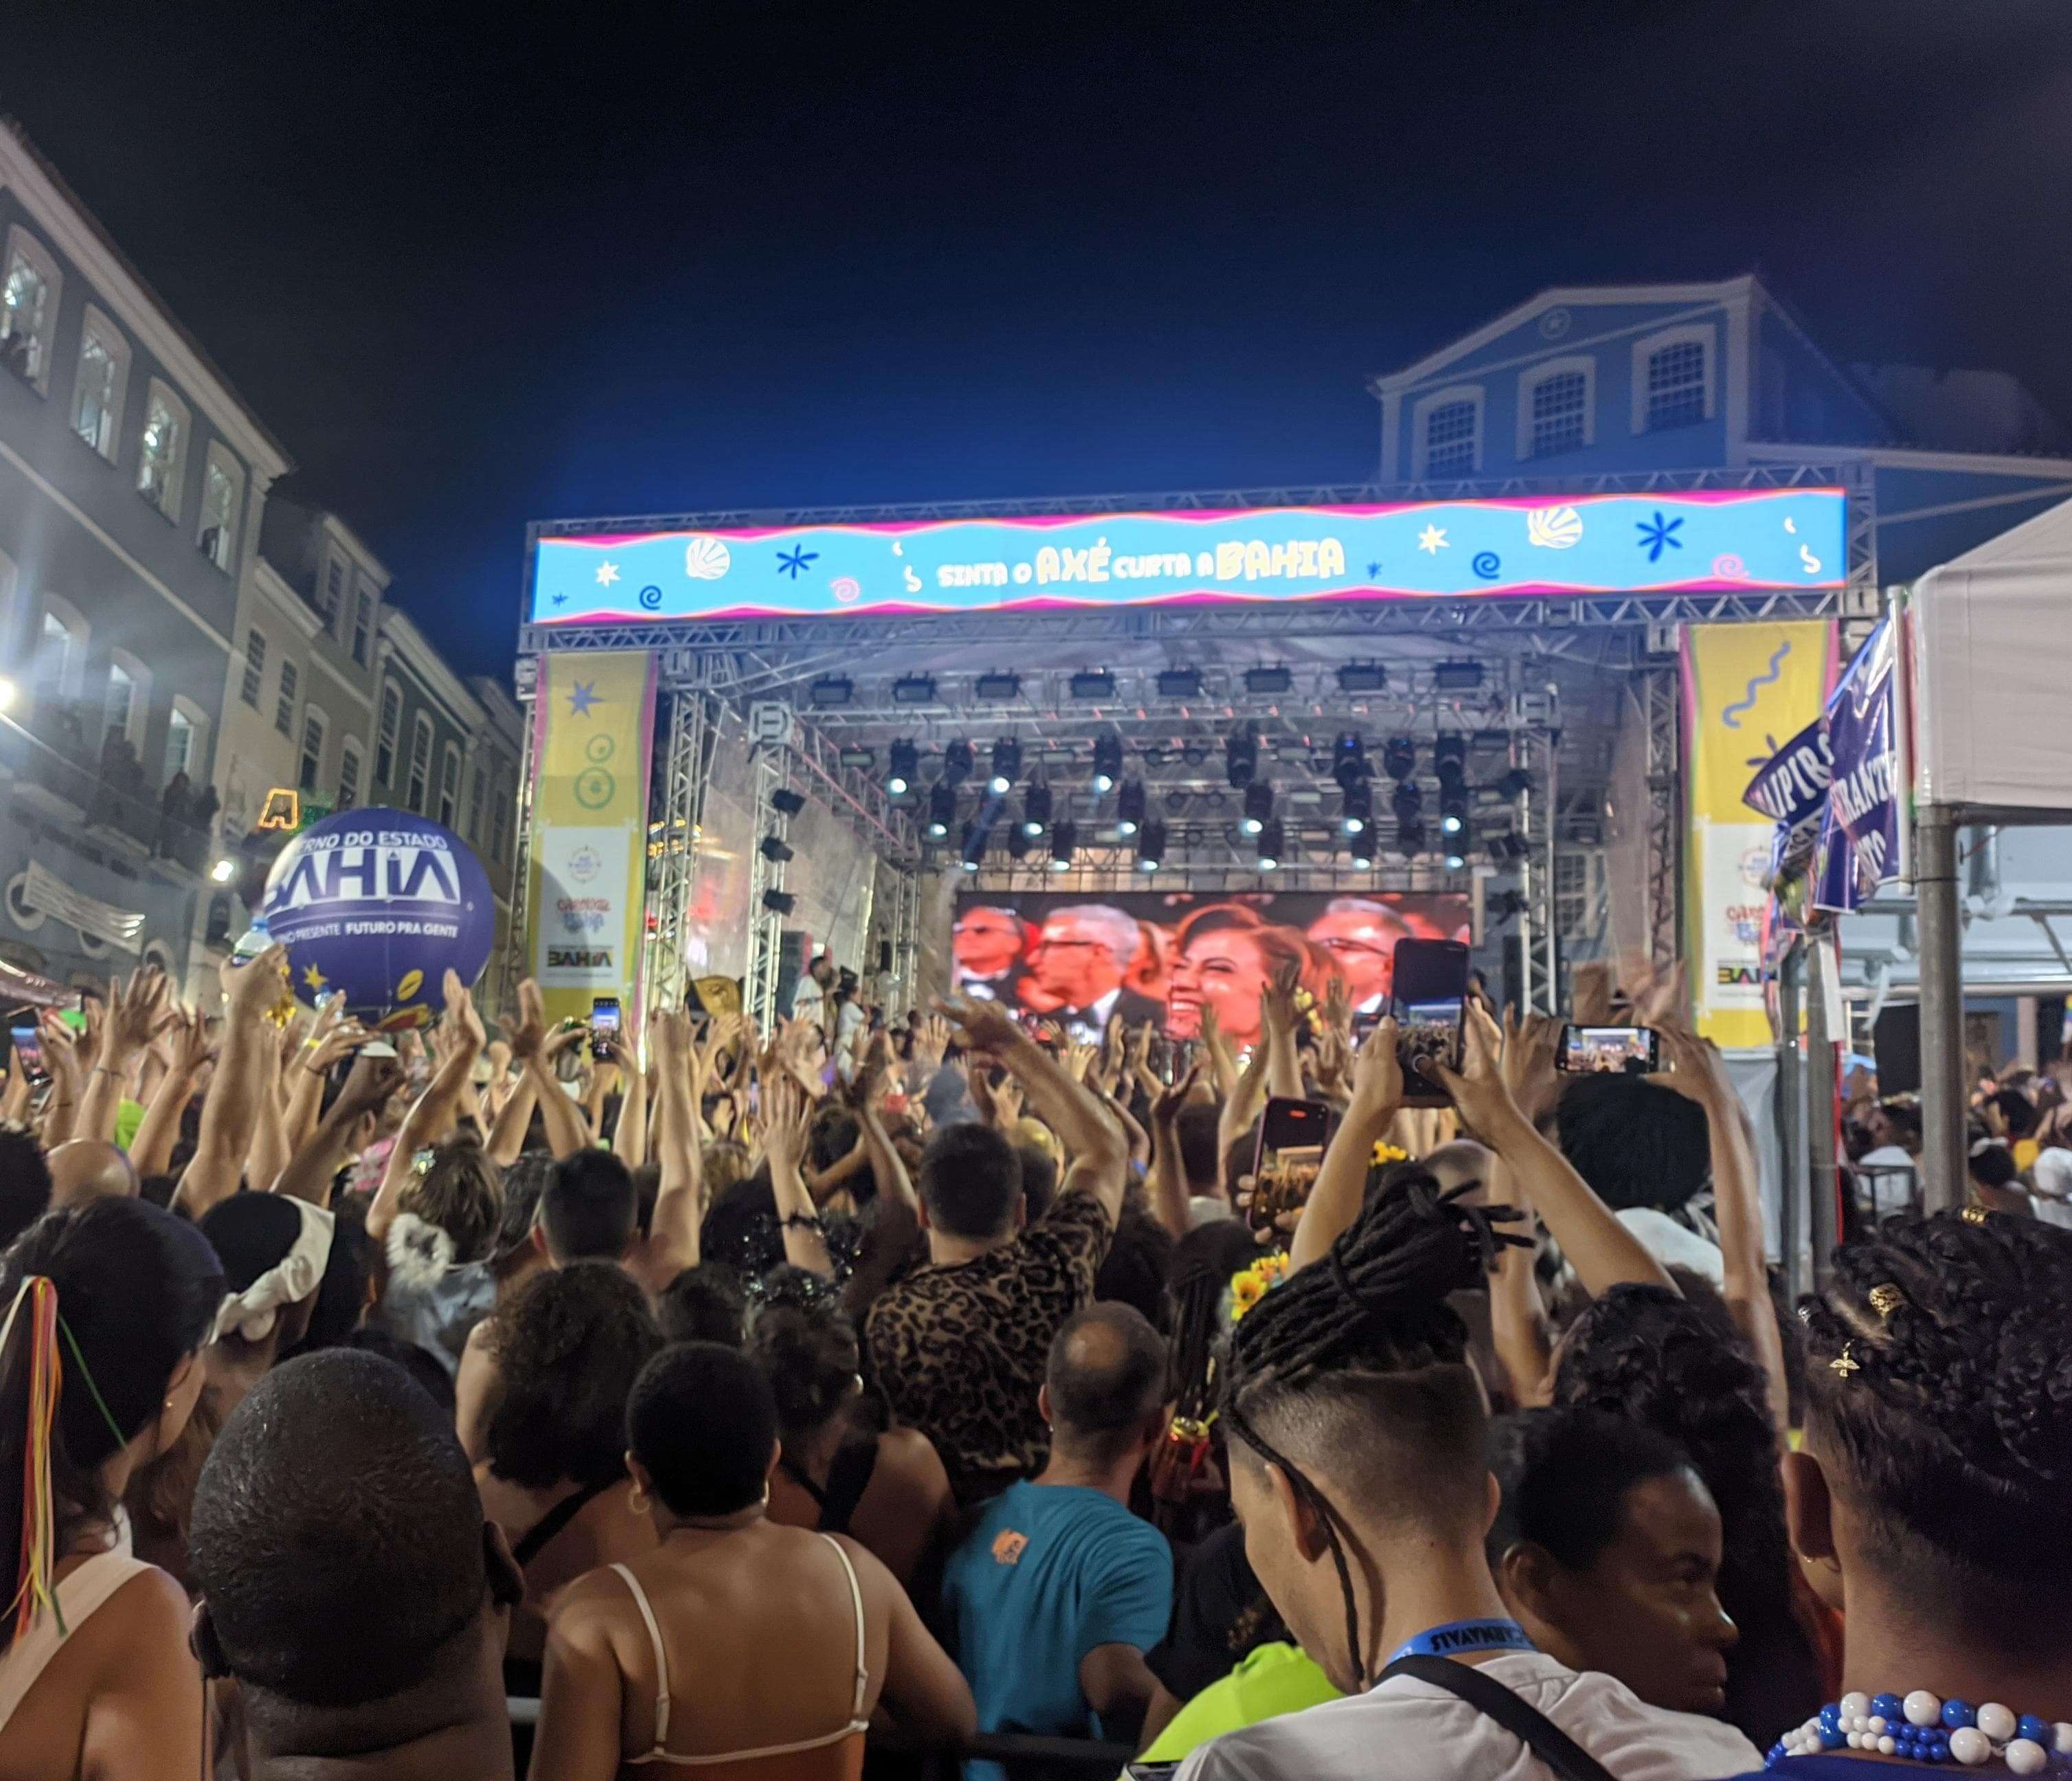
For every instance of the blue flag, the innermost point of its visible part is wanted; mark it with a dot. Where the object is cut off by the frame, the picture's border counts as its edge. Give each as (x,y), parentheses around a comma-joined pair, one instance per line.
(1859,846)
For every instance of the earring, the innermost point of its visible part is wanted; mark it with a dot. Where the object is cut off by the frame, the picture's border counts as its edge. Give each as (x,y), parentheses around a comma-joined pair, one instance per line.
(636,1500)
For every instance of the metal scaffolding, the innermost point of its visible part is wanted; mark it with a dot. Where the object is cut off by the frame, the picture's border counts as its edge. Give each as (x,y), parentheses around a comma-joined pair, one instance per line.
(675,811)
(1661,700)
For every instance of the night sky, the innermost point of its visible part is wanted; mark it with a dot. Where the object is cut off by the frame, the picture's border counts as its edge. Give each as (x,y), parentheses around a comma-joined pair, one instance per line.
(604,261)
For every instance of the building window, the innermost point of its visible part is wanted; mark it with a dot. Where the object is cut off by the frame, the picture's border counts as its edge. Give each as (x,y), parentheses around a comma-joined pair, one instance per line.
(363,623)
(184,735)
(385,748)
(499,811)
(1449,434)
(162,453)
(348,775)
(283,707)
(28,308)
(449,788)
(60,651)
(103,369)
(255,667)
(475,799)
(420,764)
(128,701)
(333,594)
(1556,406)
(312,767)
(1672,378)
(222,493)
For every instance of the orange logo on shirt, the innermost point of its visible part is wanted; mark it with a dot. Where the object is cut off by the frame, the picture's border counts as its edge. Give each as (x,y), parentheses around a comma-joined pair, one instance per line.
(1008,1546)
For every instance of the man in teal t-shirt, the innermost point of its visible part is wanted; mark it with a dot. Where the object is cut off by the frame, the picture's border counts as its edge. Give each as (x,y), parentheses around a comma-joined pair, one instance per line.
(1059,1590)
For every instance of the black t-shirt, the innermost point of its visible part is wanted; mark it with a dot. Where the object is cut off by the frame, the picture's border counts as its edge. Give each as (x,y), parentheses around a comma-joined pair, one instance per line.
(1219,1615)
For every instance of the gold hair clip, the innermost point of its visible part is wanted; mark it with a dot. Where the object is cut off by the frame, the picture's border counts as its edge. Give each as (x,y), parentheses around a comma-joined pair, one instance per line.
(1885,1300)
(1845,1362)
(1973,1214)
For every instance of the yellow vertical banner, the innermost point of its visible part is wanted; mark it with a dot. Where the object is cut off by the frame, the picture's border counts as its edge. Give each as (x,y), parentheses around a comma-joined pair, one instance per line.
(1748,689)
(593,739)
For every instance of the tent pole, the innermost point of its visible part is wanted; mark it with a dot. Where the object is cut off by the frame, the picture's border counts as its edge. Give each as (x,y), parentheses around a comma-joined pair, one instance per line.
(1942,1154)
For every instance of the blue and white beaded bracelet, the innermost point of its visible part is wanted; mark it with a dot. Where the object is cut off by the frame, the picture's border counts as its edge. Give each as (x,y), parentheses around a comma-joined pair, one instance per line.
(1927,1729)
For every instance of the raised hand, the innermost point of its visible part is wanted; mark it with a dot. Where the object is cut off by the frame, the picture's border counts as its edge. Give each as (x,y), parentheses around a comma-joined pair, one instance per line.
(1478,1088)
(1378,1074)
(460,1012)
(136,1012)
(785,1117)
(1698,1073)
(1277,1005)
(1529,1047)
(1337,1012)
(258,986)
(1165,1109)
(528,1037)
(979,1025)
(370,1085)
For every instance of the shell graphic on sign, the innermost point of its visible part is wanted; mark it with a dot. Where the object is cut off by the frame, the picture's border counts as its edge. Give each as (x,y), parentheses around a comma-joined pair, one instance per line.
(1553,527)
(706,559)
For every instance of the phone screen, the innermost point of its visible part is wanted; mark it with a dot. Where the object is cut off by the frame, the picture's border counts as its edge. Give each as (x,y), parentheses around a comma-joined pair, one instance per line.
(1610,1050)
(1292,1137)
(603,1021)
(1429,1001)
(29,1050)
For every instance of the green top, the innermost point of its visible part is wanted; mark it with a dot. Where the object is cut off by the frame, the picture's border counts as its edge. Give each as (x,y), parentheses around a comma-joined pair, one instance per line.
(128,1117)
(1272,1680)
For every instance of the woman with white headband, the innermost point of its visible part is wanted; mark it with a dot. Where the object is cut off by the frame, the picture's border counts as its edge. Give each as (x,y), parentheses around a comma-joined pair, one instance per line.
(106,1310)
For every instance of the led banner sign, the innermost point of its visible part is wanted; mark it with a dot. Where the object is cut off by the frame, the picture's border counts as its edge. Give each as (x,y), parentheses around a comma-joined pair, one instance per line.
(1701,541)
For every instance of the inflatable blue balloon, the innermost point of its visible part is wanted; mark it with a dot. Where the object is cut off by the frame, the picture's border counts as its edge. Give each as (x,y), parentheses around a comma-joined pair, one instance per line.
(380,904)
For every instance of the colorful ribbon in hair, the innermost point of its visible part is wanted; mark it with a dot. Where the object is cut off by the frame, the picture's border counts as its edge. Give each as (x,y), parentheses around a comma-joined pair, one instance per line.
(36,1585)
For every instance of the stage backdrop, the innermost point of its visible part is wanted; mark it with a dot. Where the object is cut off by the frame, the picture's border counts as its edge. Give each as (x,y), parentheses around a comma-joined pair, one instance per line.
(1081,957)
(595,719)
(1748,689)
(717,924)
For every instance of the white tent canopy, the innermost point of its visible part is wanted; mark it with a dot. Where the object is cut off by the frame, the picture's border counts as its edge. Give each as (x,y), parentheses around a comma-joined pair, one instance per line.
(1993,631)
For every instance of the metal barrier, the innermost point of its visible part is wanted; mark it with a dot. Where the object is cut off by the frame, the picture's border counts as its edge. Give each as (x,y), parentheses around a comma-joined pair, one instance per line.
(1079,1758)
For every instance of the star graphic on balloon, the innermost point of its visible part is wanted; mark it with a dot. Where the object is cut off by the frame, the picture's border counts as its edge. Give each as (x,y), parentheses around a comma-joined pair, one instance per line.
(607,574)
(1432,538)
(312,978)
(793,562)
(582,697)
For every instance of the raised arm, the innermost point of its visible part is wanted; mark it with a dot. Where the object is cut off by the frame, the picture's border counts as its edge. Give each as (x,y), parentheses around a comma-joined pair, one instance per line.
(1168,1180)
(787,1115)
(230,1110)
(1335,1201)
(151,1150)
(1277,1016)
(1223,1067)
(1518,1320)
(629,1136)
(432,1118)
(136,1011)
(315,1163)
(672,1231)
(1603,1252)
(1243,1107)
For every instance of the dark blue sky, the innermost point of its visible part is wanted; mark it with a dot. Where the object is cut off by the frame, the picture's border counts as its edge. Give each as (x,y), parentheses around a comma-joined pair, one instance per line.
(607,261)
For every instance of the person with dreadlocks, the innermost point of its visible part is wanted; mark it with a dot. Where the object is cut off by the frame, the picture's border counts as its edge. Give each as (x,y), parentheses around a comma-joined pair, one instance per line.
(1356,1428)
(1928,1503)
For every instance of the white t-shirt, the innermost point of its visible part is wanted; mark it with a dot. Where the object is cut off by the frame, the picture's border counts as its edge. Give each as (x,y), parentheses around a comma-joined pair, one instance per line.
(806,997)
(1409,1730)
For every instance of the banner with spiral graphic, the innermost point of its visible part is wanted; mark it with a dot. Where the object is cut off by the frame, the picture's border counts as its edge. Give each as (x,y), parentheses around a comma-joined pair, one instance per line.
(593,739)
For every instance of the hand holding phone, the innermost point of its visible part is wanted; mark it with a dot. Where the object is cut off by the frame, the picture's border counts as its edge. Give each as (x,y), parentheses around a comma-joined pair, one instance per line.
(1429,1000)
(1609,1051)
(603,1024)
(1292,1137)
(29,1054)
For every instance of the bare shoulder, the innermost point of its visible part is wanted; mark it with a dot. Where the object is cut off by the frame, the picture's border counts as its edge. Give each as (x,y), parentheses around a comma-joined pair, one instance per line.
(910,1457)
(596,1599)
(144,1622)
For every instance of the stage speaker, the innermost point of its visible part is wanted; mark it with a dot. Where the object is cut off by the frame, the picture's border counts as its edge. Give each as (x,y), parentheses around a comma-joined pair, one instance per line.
(885,957)
(1896,1042)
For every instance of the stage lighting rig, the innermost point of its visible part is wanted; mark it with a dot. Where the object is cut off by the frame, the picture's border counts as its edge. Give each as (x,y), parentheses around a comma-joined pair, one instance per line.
(775,851)
(1359,814)
(906,768)
(1410,837)
(1258,807)
(1130,808)
(1457,676)
(1064,843)
(1515,783)
(914,689)
(785,799)
(1019,842)
(1450,759)
(1508,847)
(1241,758)
(1453,813)
(779,903)
(1179,682)
(832,690)
(1268,682)
(1407,801)
(975,836)
(1362,855)
(1151,845)
(1399,757)
(1348,765)
(997,688)
(1036,809)
(1108,763)
(1006,766)
(1272,843)
(1094,683)
(957,764)
(942,810)
(1363,677)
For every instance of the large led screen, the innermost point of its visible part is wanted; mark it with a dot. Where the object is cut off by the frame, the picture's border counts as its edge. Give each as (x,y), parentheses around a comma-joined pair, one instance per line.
(1080,957)
(1707,540)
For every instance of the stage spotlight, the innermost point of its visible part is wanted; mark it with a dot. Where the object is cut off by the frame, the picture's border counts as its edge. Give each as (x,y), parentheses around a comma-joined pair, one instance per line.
(1456,856)
(1362,855)
(1508,847)
(1064,843)
(1410,836)
(914,689)
(1407,801)
(858,760)
(1036,809)
(975,840)
(1399,757)
(1240,758)
(779,903)
(1273,840)
(942,810)
(1503,905)
(787,800)
(956,763)
(1258,807)
(1264,682)
(1457,676)
(1150,845)
(774,850)
(1363,677)
(906,768)
(1108,763)
(1348,765)
(1093,683)
(1179,682)
(1515,783)
(1449,760)
(1130,808)
(996,689)
(832,690)
(1019,842)
(1359,815)
(1006,766)
(1453,813)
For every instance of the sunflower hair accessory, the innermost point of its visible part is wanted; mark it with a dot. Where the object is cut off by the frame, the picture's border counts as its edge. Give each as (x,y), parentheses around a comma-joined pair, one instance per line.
(1385,1152)
(1973,1214)
(1249,1285)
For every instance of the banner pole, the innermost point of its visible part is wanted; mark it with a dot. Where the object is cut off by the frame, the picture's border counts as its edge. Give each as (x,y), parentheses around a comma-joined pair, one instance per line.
(1943,1176)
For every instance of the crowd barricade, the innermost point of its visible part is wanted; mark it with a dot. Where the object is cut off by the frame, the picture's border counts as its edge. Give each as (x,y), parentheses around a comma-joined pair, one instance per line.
(1024,1758)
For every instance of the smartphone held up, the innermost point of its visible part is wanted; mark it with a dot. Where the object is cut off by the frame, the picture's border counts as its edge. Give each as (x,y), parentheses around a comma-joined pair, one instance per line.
(1609,1051)
(1429,1001)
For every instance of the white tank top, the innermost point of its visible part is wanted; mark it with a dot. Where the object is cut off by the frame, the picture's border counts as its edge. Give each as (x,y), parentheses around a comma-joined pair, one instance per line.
(79,1594)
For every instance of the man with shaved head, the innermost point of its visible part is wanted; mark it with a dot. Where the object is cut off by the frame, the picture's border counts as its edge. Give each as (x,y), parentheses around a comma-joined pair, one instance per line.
(1059,1590)
(88,1169)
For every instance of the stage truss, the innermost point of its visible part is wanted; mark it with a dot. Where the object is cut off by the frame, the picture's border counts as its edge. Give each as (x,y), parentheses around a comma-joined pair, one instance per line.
(765,671)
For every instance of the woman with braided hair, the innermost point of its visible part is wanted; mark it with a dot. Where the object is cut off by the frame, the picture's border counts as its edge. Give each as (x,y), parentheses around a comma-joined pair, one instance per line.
(1930,1502)
(1356,1429)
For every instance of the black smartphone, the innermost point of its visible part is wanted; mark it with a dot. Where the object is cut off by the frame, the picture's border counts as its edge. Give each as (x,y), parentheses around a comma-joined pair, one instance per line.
(1609,1051)
(1292,1137)
(1429,1001)
(29,1048)
(603,1022)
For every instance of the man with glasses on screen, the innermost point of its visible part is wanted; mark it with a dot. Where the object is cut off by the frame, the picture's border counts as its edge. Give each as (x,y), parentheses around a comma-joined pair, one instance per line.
(1359,935)
(1078,963)
(989,947)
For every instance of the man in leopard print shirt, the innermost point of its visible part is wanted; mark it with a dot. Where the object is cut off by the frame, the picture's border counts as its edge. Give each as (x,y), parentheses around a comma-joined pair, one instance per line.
(959,1348)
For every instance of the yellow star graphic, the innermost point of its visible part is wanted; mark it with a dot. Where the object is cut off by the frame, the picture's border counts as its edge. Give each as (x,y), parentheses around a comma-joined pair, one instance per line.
(314,978)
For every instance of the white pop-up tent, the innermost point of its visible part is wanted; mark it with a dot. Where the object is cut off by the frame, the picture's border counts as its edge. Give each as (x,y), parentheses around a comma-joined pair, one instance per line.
(1992,734)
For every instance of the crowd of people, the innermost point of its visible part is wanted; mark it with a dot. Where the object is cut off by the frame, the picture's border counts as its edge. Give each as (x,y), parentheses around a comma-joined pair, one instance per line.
(763,1403)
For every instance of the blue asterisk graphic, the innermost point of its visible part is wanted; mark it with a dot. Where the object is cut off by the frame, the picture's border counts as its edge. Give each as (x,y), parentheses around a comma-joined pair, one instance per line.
(1659,535)
(582,697)
(560,597)
(1373,570)
(793,562)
